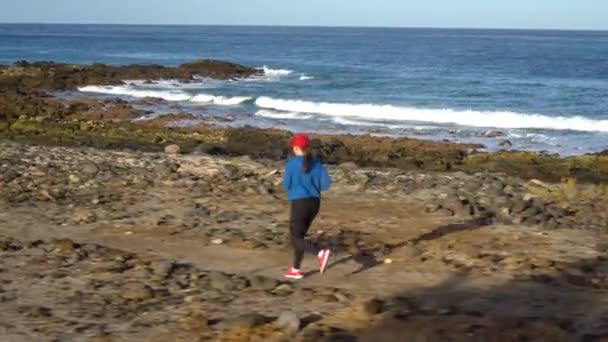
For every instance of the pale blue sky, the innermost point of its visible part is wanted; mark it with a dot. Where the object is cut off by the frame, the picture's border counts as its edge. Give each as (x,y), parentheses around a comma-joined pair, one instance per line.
(550,14)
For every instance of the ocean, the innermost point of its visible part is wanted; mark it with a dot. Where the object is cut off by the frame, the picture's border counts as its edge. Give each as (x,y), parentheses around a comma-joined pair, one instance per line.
(541,90)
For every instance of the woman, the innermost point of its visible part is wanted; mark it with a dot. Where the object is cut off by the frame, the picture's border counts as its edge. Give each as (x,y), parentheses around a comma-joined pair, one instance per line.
(304,180)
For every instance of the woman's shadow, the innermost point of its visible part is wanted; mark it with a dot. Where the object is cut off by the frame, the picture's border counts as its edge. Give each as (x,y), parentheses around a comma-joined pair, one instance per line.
(372,257)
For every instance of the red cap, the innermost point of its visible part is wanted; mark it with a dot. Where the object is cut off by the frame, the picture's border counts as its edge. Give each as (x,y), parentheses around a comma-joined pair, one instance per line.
(300,140)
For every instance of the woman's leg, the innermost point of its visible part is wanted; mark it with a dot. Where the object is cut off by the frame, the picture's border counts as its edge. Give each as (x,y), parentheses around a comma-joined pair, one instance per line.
(303,213)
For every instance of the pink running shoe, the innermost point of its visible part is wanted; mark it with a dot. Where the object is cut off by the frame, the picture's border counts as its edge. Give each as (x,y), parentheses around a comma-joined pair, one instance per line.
(294,274)
(323,259)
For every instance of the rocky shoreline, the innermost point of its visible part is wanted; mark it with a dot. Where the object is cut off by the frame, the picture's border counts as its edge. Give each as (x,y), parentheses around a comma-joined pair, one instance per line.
(30,113)
(120,230)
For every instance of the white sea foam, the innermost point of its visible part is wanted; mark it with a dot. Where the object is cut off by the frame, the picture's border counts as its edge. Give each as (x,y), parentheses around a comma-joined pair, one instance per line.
(445,116)
(282,115)
(169,95)
(219,100)
(305,77)
(275,72)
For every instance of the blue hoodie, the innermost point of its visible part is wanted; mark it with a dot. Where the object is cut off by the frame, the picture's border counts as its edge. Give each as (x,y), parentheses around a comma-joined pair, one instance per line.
(301,185)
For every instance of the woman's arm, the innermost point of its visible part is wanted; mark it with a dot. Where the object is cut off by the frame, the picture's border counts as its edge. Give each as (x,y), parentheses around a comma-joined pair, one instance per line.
(287,178)
(325,180)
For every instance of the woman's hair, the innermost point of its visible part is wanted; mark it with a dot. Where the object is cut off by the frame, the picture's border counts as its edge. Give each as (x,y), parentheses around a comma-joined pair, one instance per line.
(307,164)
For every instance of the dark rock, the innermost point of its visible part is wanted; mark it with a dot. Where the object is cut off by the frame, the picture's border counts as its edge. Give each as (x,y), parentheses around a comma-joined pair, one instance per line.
(551,224)
(371,307)
(263,283)
(556,211)
(519,206)
(531,211)
(247,321)
(575,277)
(506,143)
(228,216)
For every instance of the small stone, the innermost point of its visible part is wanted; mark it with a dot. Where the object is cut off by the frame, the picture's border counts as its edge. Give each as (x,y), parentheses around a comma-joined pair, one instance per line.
(388,261)
(217,241)
(508,189)
(82,215)
(136,291)
(432,207)
(231,172)
(162,268)
(444,212)
(283,290)
(73,179)
(456,205)
(349,166)
(263,283)
(528,197)
(190,299)
(219,281)
(411,251)
(173,149)
(494,134)
(228,216)
(341,297)
(289,321)
(90,169)
(196,323)
(64,246)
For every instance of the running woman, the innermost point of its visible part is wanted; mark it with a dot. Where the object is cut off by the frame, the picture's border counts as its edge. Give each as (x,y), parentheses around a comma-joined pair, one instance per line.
(304,179)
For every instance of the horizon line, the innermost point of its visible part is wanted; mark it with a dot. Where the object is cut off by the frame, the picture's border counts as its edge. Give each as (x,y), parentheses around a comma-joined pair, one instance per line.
(318,26)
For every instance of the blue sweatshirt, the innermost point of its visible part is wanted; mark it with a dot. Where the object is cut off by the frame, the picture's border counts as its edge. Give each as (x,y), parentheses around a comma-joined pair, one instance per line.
(301,185)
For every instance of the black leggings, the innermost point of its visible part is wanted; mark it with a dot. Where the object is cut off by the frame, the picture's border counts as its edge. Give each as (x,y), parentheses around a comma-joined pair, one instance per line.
(303,212)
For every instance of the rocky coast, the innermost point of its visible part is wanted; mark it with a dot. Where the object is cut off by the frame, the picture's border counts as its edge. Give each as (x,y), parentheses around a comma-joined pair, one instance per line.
(119,230)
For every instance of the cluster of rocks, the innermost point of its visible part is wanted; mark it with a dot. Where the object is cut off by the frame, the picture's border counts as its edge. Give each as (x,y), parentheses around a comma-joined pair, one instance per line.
(85,283)
(509,201)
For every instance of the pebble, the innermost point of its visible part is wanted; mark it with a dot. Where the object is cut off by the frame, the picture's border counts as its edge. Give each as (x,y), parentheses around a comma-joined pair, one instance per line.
(217,241)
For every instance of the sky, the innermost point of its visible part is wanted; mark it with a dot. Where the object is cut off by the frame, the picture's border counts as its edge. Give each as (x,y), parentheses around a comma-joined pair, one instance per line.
(542,14)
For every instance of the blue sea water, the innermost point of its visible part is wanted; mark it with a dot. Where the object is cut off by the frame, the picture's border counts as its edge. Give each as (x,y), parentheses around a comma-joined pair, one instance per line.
(545,90)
